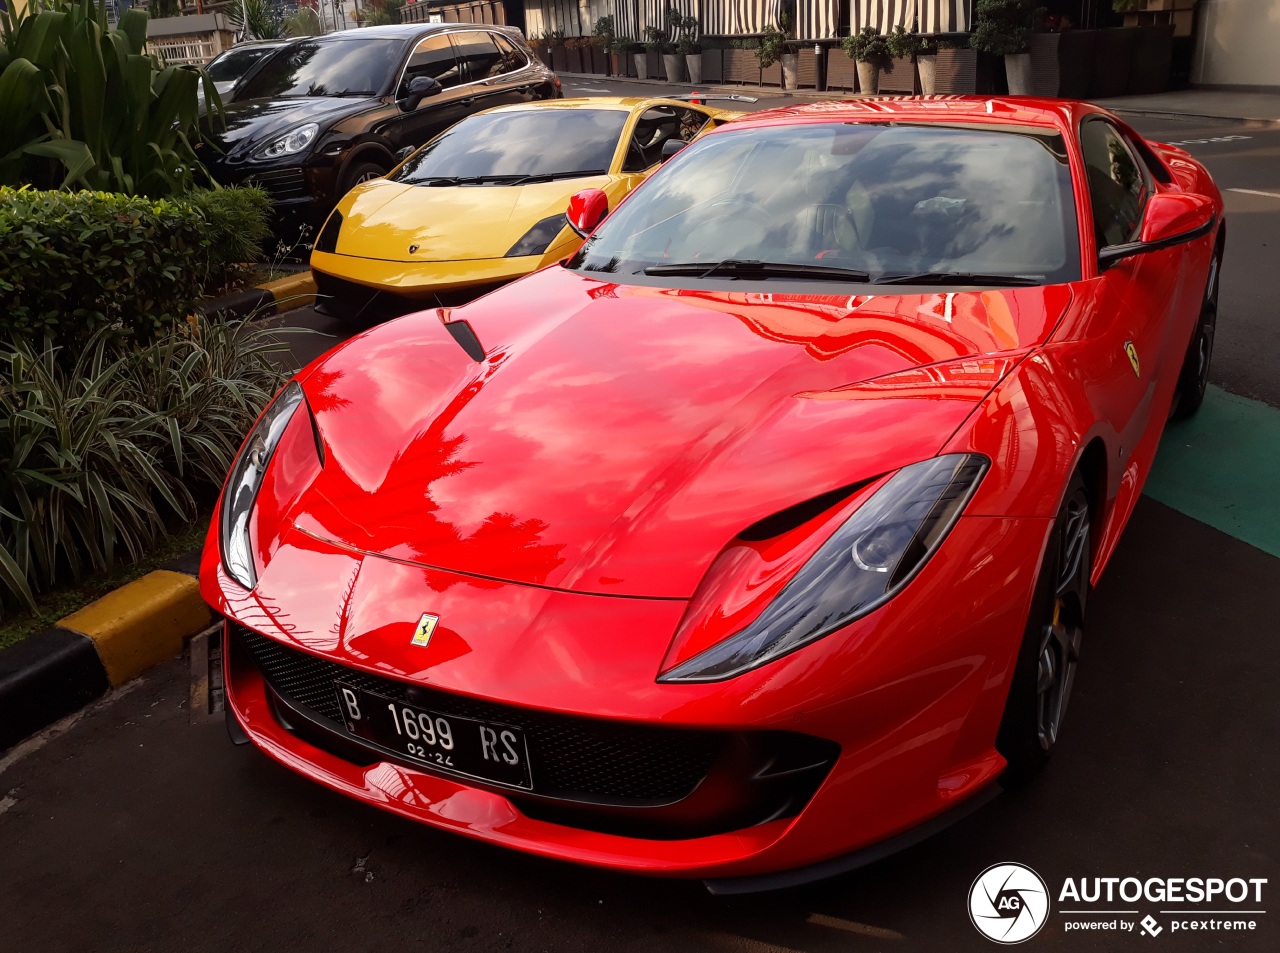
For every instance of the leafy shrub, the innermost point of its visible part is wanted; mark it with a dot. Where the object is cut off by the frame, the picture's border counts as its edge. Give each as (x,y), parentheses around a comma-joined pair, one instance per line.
(82,105)
(1002,27)
(74,262)
(866,46)
(903,43)
(237,224)
(101,455)
(302,22)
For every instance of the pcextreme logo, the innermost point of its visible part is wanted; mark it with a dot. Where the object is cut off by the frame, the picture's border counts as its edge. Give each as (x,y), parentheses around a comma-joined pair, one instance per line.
(1008,903)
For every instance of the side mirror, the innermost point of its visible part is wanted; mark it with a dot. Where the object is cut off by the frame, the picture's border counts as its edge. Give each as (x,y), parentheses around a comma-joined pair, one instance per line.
(419,88)
(1169,219)
(671,147)
(586,210)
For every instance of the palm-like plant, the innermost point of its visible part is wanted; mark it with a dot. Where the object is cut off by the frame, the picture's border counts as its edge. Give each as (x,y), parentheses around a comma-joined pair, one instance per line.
(84,105)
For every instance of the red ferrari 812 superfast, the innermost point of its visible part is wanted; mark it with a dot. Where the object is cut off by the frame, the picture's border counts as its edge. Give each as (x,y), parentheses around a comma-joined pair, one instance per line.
(755,539)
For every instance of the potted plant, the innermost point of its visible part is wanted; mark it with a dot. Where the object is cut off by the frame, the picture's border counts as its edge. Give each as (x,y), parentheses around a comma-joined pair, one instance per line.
(957,66)
(621,60)
(1003,28)
(573,55)
(554,39)
(771,49)
(661,41)
(927,66)
(687,45)
(605,39)
(903,46)
(640,58)
(741,63)
(870,51)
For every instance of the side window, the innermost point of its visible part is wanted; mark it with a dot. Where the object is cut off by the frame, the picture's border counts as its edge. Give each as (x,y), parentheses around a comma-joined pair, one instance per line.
(512,57)
(654,127)
(432,57)
(1117,183)
(478,55)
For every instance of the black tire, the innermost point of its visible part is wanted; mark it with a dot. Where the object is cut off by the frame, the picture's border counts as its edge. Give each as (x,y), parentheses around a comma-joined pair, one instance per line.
(1045,670)
(1193,379)
(361,170)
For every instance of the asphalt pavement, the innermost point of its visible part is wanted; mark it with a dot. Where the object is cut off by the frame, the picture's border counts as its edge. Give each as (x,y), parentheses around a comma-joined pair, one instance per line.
(136,827)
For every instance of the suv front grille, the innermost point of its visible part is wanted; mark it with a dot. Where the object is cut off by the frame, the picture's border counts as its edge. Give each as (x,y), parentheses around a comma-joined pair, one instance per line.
(572,757)
(280,183)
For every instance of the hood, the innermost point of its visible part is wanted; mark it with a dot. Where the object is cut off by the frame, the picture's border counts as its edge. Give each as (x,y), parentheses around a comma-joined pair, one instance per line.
(255,122)
(448,223)
(616,438)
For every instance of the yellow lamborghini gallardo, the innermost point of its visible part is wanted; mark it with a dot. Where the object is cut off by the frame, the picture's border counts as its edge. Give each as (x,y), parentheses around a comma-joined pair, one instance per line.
(484,202)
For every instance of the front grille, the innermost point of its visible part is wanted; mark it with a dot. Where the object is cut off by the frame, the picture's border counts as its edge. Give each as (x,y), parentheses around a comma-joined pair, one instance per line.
(280,183)
(571,757)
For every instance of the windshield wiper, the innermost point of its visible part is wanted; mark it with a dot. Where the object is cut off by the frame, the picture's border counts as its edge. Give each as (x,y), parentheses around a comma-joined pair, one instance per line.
(743,268)
(955,278)
(442,180)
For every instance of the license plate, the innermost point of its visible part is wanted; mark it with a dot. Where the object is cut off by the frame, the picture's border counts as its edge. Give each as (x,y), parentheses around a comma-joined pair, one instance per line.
(484,750)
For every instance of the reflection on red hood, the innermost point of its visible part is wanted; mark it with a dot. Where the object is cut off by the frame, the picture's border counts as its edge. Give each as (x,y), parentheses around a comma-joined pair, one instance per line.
(617,437)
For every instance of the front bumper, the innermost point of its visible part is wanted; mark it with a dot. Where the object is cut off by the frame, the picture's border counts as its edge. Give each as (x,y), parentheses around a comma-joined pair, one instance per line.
(911,695)
(302,188)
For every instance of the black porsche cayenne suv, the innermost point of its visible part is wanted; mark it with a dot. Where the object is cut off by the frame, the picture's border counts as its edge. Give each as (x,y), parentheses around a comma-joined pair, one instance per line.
(324,113)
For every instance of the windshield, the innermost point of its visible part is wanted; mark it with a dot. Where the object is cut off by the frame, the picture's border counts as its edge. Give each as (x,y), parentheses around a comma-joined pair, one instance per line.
(341,68)
(887,200)
(523,143)
(231,65)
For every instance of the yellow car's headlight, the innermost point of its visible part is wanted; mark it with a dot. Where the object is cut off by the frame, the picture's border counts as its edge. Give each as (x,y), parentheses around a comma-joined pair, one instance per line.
(539,238)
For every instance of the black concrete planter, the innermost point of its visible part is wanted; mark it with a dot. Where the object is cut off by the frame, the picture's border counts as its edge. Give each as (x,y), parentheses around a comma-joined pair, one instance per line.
(957,72)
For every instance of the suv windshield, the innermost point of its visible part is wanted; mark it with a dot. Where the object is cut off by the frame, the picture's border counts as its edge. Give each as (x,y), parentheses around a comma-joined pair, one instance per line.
(233,64)
(555,142)
(332,68)
(889,201)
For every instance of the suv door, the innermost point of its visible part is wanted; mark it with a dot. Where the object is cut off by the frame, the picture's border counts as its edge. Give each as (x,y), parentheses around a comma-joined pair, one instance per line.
(432,56)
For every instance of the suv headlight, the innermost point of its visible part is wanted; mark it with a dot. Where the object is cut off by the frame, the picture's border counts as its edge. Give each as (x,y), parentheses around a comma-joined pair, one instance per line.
(864,563)
(295,140)
(241,492)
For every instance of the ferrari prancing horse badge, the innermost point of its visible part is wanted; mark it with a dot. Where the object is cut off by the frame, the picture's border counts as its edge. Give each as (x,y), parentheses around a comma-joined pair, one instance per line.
(1133,357)
(426,627)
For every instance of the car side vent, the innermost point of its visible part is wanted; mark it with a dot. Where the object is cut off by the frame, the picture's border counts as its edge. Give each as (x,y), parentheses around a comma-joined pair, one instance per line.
(786,520)
(467,340)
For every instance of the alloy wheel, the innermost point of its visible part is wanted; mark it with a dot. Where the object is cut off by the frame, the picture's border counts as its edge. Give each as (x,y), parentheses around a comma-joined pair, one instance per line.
(1061,635)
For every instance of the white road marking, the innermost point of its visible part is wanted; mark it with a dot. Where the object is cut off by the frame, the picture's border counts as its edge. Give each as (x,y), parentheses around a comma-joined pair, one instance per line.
(1270,195)
(1201,142)
(863,929)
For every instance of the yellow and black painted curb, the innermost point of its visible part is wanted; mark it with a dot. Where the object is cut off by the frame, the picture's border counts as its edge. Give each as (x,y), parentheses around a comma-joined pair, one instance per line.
(58,671)
(274,297)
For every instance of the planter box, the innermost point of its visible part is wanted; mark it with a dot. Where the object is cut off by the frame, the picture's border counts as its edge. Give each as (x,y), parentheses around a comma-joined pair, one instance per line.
(712,66)
(842,72)
(559,62)
(544,54)
(599,61)
(573,61)
(653,63)
(899,76)
(770,75)
(1110,75)
(957,71)
(621,64)
(741,66)
(1152,60)
(807,70)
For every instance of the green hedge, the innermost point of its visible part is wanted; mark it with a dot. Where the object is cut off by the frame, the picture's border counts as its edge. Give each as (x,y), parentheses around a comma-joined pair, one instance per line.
(72,263)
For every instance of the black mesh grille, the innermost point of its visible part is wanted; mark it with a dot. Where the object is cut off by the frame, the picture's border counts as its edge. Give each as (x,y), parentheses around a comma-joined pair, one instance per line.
(570,757)
(280,183)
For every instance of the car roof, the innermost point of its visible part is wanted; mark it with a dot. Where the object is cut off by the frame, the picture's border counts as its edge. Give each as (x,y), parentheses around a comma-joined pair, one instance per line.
(591,102)
(405,31)
(1059,114)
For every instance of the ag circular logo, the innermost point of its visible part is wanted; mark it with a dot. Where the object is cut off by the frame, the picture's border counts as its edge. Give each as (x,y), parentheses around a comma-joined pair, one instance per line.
(1008,903)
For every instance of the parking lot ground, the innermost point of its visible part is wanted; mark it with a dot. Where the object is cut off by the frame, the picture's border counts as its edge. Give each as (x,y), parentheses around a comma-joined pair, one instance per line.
(134,830)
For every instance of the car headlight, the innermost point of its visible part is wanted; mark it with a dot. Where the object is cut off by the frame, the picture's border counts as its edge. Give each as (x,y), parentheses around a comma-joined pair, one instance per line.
(539,238)
(328,240)
(295,140)
(867,560)
(246,479)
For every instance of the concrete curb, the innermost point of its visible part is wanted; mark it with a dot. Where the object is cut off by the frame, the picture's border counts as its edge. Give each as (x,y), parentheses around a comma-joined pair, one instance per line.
(60,670)
(274,297)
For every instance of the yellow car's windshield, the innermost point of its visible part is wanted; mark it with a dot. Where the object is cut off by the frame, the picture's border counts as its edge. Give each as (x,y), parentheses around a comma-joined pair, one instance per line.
(535,143)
